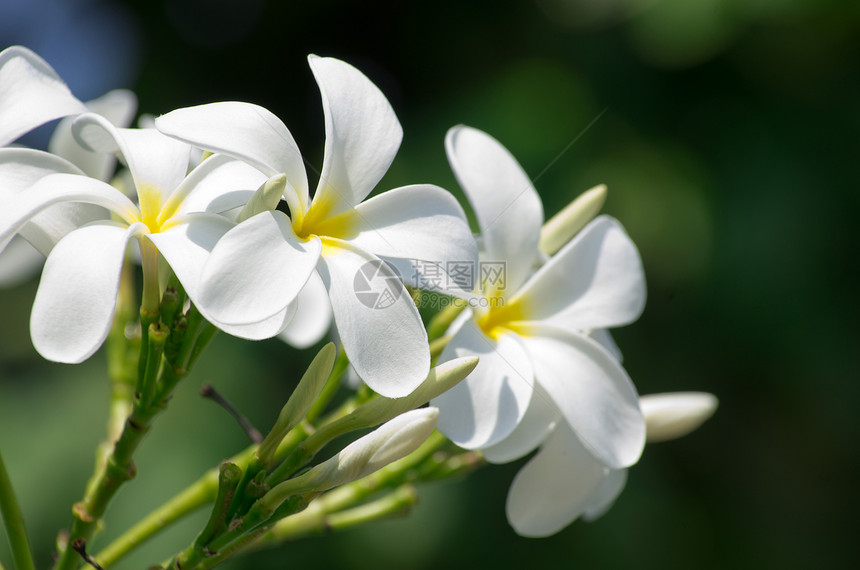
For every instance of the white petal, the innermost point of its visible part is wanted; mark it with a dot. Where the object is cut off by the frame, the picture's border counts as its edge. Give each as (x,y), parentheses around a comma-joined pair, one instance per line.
(155,160)
(593,392)
(58,189)
(20,168)
(256,270)
(673,415)
(380,328)
(555,487)
(595,281)
(220,183)
(604,338)
(539,420)
(362,135)
(605,494)
(313,315)
(423,231)
(31,94)
(485,408)
(187,247)
(242,130)
(76,299)
(118,107)
(506,204)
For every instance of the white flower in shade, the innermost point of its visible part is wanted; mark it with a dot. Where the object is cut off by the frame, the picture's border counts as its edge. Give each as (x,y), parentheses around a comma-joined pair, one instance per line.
(31,94)
(334,241)
(176,215)
(564,481)
(537,360)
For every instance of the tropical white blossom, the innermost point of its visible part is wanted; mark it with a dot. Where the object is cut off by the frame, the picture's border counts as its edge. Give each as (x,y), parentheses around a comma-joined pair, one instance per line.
(176,215)
(31,94)
(564,481)
(335,241)
(538,364)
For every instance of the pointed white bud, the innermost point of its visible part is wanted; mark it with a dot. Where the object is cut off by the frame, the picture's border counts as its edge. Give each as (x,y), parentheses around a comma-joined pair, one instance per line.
(393,440)
(564,225)
(440,379)
(675,414)
(265,198)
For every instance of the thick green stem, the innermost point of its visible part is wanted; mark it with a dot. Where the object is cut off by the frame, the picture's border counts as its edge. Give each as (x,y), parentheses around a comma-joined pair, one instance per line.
(14,522)
(198,494)
(324,516)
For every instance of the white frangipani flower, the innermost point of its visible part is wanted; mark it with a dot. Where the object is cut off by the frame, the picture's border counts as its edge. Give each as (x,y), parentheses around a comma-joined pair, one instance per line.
(265,262)
(176,216)
(538,364)
(565,481)
(31,94)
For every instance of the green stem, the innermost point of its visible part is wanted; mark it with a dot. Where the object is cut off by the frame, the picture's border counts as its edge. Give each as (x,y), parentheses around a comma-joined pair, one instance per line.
(189,500)
(14,522)
(201,492)
(324,516)
(351,494)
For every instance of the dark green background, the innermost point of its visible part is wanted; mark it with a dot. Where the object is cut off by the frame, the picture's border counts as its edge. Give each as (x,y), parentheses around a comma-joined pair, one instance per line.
(729,141)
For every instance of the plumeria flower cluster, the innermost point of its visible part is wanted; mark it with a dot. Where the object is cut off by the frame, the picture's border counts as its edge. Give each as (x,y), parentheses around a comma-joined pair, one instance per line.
(214,204)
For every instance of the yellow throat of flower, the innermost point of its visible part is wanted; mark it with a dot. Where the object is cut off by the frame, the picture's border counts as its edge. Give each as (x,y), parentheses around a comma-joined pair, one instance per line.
(150,207)
(501,316)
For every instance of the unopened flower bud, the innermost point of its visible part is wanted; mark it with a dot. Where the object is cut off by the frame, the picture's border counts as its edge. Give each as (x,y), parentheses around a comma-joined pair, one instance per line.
(441,379)
(393,440)
(675,414)
(564,225)
(265,198)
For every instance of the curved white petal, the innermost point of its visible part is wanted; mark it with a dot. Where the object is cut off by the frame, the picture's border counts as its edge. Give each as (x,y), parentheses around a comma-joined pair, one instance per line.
(485,408)
(380,328)
(539,420)
(595,281)
(555,487)
(593,392)
(155,161)
(74,305)
(605,494)
(362,135)
(186,247)
(506,204)
(675,414)
(31,94)
(256,270)
(604,338)
(242,130)
(116,106)
(58,189)
(218,184)
(20,168)
(423,231)
(313,315)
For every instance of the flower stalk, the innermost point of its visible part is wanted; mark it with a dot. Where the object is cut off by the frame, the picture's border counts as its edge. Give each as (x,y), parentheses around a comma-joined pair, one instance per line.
(13,520)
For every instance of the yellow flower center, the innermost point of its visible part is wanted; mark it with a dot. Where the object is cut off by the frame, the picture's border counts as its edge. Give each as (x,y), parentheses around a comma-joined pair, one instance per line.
(150,207)
(501,316)
(316,222)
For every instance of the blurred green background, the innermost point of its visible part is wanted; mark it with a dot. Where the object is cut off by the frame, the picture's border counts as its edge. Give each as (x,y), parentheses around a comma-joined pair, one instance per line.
(728,137)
